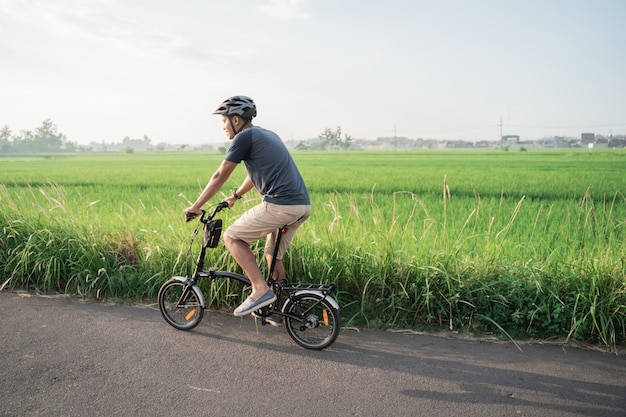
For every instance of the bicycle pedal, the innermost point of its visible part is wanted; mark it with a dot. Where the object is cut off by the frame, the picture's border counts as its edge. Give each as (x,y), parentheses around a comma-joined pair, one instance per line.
(261,313)
(263,319)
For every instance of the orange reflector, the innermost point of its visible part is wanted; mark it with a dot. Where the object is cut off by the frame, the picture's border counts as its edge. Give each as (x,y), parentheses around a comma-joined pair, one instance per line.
(325,315)
(190,314)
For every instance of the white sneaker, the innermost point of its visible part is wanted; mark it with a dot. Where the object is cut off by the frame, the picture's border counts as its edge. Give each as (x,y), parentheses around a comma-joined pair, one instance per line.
(251,305)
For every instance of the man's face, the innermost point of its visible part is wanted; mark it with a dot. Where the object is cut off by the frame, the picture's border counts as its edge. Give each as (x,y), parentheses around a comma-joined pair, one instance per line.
(228,127)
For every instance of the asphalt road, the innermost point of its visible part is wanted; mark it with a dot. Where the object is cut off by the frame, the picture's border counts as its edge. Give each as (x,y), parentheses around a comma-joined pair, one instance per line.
(72,358)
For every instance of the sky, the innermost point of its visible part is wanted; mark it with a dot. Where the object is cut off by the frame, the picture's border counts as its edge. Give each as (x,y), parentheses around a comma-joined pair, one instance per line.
(103,70)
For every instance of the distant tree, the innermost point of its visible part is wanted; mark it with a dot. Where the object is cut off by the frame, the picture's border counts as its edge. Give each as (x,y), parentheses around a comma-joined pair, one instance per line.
(23,142)
(139,144)
(47,138)
(5,139)
(70,146)
(332,139)
(346,142)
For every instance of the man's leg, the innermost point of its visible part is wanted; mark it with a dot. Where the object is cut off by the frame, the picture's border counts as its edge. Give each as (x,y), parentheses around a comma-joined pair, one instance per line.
(244,256)
(302,213)
(251,226)
(279,268)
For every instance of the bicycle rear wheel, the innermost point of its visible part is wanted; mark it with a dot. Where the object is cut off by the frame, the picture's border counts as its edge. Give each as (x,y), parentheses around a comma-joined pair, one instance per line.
(180,305)
(312,321)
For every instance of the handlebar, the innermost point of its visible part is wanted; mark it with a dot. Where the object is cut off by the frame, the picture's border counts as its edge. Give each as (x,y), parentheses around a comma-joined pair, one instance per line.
(203,217)
(219,207)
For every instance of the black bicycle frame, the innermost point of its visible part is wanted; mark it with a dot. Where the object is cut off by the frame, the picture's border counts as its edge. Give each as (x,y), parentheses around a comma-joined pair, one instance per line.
(278,286)
(212,274)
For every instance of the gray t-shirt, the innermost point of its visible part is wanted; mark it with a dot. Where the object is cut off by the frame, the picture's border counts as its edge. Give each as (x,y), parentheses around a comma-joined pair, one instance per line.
(270,166)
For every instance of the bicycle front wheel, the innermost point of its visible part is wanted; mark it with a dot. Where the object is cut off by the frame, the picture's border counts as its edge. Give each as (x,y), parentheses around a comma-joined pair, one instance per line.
(180,305)
(312,321)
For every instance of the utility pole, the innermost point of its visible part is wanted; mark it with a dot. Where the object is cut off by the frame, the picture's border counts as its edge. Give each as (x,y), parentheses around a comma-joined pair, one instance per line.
(500,141)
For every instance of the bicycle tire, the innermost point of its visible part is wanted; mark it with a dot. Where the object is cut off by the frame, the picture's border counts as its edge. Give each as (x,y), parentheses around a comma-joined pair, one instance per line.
(180,305)
(312,321)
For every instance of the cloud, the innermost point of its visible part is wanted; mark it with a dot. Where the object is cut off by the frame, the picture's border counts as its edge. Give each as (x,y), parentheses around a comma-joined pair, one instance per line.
(102,22)
(57,17)
(286,9)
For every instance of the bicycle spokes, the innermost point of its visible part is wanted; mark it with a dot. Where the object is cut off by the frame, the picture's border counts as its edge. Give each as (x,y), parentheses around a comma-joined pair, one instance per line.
(180,305)
(312,321)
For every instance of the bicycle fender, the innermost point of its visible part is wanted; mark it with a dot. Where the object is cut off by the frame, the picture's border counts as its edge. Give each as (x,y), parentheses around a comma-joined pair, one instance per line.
(330,299)
(195,289)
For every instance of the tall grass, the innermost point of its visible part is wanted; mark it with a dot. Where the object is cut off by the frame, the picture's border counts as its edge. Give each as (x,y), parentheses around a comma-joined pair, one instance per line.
(490,267)
(492,242)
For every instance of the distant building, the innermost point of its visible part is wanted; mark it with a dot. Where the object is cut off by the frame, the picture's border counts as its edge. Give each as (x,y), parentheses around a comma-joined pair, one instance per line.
(556,142)
(587,138)
(456,144)
(601,143)
(511,140)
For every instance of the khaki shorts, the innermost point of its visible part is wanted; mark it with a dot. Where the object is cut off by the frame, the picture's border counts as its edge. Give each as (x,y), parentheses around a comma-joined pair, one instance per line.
(264,220)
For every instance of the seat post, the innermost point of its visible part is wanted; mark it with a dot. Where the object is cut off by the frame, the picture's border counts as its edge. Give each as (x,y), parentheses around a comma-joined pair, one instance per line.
(282,230)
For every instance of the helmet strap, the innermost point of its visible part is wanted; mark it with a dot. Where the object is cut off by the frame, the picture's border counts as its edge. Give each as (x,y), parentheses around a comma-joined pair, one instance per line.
(232,125)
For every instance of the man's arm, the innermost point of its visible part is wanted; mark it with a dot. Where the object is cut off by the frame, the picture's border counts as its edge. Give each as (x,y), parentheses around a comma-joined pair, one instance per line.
(245,186)
(215,184)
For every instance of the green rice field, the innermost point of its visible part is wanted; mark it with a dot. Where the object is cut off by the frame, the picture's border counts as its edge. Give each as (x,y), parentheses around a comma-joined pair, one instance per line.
(518,244)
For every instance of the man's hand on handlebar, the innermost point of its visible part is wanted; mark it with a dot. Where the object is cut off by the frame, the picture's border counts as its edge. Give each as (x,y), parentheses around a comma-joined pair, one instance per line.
(230,201)
(191,214)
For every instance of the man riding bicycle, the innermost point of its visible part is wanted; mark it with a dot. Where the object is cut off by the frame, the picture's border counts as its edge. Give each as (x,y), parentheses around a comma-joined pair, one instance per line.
(273,172)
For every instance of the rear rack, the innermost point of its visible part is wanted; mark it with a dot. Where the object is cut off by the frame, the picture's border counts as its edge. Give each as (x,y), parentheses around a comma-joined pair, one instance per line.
(324,288)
